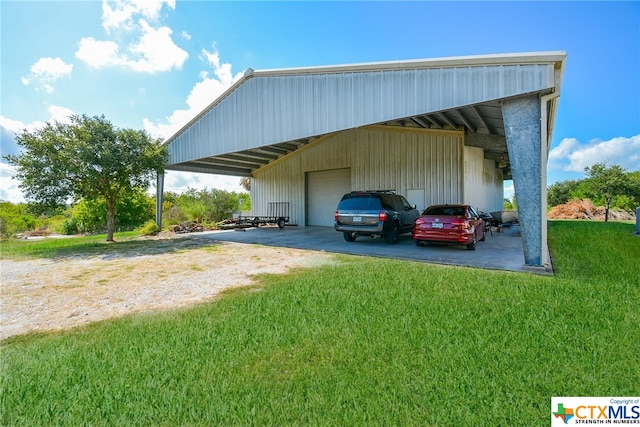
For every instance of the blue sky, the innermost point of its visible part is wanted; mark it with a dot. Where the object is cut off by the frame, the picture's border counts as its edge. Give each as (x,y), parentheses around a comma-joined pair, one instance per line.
(154,65)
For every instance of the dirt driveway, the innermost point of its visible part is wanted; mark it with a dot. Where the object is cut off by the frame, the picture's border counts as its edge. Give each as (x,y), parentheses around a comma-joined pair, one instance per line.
(54,294)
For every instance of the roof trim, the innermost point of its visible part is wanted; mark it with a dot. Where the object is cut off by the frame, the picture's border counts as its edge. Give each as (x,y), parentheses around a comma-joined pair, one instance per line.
(454,61)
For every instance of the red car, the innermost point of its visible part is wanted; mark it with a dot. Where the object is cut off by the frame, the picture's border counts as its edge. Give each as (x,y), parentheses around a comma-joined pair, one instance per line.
(457,224)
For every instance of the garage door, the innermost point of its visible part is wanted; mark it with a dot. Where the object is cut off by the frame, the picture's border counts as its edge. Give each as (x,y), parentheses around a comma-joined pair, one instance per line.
(324,190)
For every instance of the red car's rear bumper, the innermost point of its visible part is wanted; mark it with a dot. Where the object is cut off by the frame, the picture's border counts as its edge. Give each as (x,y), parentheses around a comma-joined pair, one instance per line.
(446,236)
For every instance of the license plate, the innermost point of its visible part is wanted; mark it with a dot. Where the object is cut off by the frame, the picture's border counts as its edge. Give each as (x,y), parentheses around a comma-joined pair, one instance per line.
(437,225)
(357,219)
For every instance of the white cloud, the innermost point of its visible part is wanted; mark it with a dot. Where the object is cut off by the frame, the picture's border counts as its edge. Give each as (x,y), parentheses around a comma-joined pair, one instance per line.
(179,182)
(158,51)
(14,126)
(9,190)
(509,189)
(56,113)
(60,114)
(150,48)
(47,71)
(222,71)
(572,156)
(119,14)
(202,94)
(98,53)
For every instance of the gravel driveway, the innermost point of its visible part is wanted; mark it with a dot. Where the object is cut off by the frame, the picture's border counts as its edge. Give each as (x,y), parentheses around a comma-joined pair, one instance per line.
(54,294)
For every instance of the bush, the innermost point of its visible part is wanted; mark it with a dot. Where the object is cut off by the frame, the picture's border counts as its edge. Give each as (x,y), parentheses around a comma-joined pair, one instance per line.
(204,206)
(14,219)
(173,215)
(150,228)
(71,226)
(131,211)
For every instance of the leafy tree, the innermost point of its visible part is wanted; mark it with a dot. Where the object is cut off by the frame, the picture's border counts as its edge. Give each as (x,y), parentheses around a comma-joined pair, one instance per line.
(606,182)
(193,206)
(510,204)
(90,215)
(15,218)
(245,182)
(560,193)
(171,212)
(87,158)
(206,206)
(634,188)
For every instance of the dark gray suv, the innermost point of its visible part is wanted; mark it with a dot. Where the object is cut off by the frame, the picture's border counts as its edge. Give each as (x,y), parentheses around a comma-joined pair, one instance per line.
(375,213)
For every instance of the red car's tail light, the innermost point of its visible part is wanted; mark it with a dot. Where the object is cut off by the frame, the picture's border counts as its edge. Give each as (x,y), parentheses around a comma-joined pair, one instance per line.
(461,224)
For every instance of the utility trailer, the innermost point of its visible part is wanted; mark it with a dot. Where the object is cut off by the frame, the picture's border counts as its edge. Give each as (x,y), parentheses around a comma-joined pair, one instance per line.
(277,213)
(504,219)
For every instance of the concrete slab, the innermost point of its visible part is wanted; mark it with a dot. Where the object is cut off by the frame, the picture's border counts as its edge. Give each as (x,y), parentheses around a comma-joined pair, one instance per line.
(500,251)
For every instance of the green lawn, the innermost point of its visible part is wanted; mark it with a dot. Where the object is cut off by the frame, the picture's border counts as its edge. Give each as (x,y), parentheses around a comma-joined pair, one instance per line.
(364,342)
(66,245)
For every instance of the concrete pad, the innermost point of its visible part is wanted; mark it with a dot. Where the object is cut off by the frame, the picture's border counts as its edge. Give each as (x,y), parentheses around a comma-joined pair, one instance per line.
(501,251)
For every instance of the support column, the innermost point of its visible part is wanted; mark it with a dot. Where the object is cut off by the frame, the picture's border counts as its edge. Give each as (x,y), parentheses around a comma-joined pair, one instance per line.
(159,194)
(522,128)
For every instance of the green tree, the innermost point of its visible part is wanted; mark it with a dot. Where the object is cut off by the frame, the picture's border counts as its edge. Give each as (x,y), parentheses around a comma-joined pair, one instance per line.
(606,182)
(510,204)
(634,189)
(86,158)
(132,210)
(560,193)
(245,182)
(15,218)
(210,205)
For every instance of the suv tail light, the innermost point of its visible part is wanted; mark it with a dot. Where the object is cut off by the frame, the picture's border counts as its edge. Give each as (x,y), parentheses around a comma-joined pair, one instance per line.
(382,216)
(335,215)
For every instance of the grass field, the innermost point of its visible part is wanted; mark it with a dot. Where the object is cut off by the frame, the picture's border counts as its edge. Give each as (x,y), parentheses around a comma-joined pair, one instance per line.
(364,342)
(52,247)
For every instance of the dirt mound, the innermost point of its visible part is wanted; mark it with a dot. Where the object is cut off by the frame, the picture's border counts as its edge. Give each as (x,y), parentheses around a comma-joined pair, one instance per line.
(585,209)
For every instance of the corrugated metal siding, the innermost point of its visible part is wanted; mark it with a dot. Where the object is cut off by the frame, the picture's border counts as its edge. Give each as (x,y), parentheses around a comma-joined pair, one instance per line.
(384,159)
(483,186)
(283,182)
(379,158)
(495,186)
(270,109)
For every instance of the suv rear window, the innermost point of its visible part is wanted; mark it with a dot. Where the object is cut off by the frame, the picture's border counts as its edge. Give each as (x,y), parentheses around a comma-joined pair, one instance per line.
(363,203)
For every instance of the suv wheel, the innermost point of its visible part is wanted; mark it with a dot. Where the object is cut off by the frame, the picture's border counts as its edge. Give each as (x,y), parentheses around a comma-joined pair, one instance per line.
(394,234)
(349,237)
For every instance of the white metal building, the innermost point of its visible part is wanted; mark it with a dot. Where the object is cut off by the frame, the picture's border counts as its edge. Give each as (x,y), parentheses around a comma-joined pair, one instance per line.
(444,130)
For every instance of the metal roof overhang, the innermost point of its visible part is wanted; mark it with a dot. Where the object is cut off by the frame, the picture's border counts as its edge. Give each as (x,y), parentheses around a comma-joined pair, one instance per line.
(482,122)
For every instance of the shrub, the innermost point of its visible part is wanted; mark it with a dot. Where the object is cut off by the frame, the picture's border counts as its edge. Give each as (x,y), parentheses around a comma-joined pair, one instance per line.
(71,226)
(150,228)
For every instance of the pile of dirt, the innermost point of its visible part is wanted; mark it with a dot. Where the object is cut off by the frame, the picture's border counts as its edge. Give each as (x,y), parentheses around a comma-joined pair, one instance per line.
(585,209)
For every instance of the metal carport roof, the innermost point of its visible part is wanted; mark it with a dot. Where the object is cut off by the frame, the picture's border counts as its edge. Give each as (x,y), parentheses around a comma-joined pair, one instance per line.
(269,114)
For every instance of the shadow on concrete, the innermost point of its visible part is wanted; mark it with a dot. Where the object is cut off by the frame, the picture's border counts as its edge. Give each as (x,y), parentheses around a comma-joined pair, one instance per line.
(500,251)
